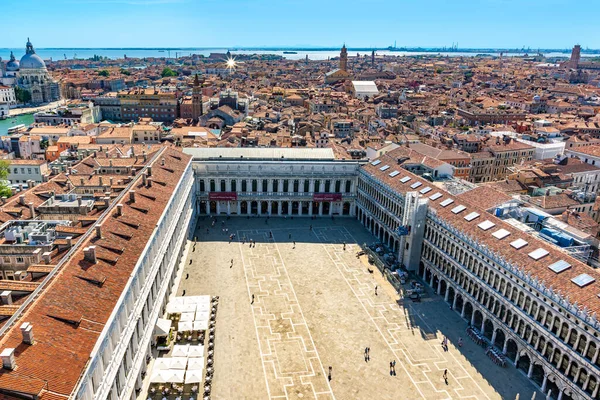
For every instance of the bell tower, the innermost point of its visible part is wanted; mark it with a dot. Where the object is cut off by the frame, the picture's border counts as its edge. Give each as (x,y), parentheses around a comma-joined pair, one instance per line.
(196,99)
(344,58)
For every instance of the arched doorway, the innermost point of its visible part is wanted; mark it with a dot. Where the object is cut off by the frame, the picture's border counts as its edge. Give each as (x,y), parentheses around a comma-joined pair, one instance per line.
(478,319)
(551,387)
(203,207)
(451,295)
(511,350)
(346,208)
(295,207)
(274,208)
(537,375)
(488,329)
(326,207)
(315,208)
(284,208)
(264,207)
(468,311)
(500,338)
(523,363)
(443,288)
(254,207)
(213,207)
(244,208)
(305,207)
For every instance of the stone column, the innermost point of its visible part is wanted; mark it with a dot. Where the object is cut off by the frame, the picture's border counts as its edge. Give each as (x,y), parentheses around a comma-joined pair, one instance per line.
(259,207)
(320,209)
(228,208)
(530,370)
(504,348)
(473,317)
(482,325)
(431,280)
(544,383)
(310,208)
(494,336)
(218,207)
(289,208)
(239,207)
(248,203)
(279,207)
(331,208)
(446,294)
(439,286)
(269,206)
(311,186)
(560,395)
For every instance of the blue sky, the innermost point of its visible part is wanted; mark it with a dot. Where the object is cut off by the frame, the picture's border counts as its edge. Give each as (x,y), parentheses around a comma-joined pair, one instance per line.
(358,23)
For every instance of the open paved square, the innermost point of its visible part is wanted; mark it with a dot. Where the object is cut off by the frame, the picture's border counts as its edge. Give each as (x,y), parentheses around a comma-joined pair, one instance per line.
(296,303)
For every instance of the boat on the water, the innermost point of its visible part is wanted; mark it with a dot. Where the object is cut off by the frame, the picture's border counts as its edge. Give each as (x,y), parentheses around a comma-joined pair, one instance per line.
(290,52)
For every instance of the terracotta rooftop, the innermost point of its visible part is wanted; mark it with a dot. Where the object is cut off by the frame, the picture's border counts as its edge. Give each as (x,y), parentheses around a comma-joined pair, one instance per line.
(70,313)
(539,269)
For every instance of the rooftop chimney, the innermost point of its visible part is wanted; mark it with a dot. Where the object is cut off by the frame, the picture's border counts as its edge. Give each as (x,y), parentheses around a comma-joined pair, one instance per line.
(20,187)
(119,210)
(144,181)
(101,181)
(30,183)
(6,297)
(32,210)
(22,199)
(132,152)
(162,161)
(110,180)
(82,181)
(8,358)
(99,231)
(150,182)
(46,256)
(27,332)
(69,241)
(144,155)
(89,254)
(132,196)
(3,199)
(149,170)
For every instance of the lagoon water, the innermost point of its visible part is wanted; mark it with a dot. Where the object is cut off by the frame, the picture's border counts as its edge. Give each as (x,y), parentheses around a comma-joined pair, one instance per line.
(316,54)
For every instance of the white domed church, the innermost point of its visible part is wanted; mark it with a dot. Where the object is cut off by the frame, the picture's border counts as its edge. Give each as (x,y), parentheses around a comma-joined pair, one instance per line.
(33,77)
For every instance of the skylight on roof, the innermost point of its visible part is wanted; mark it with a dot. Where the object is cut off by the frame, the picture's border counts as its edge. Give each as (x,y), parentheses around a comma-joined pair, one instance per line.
(485,225)
(559,266)
(376,162)
(501,234)
(385,167)
(470,217)
(425,190)
(539,253)
(405,179)
(583,280)
(394,173)
(446,202)
(517,244)
(415,185)
(458,209)
(435,196)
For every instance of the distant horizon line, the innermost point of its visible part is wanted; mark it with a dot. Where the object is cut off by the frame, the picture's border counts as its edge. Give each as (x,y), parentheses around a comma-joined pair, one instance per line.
(326,48)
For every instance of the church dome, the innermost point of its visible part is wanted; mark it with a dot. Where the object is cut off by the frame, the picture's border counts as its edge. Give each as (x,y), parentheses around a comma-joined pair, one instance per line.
(13,64)
(31,60)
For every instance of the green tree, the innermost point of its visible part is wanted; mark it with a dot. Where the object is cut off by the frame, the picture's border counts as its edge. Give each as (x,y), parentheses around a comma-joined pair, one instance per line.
(104,72)
(168,72)
(5,190)
(22,96)
(125,72)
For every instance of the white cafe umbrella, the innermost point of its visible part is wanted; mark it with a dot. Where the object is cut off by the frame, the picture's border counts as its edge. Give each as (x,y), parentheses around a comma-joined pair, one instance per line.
(196,351)
(180,350)
(193,376)
(187,316)
(200,325)
(175,308)
(175,375)
(202,307)
(160,376)
(195,363)
(162,328)
(162,363)
(178,362)
(185,326)
(201,316)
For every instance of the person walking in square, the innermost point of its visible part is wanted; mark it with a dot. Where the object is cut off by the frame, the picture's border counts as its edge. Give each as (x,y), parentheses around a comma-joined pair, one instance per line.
(375,290)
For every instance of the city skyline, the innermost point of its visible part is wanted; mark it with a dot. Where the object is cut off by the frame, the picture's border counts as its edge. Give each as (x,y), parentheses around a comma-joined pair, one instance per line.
(241,23)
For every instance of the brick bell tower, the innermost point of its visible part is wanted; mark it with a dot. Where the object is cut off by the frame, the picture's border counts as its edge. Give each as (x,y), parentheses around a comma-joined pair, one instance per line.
(197,110)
